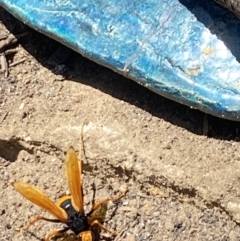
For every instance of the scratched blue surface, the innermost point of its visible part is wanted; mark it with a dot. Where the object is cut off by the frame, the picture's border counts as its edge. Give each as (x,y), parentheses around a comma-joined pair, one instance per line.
(184,50)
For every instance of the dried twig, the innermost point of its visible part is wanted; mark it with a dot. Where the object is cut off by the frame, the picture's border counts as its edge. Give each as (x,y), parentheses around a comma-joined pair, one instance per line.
(17,62)
(3,64)
(11,39)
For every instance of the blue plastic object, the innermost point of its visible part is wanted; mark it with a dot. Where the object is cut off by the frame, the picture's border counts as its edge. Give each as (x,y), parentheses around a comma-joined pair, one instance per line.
(184,50)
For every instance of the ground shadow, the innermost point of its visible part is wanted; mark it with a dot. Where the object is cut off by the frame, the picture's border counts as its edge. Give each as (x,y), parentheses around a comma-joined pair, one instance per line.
(10,149)
(89,73)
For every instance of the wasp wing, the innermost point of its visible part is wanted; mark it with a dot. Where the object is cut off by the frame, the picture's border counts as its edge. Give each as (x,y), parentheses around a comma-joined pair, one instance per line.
(74,172)
(36,196)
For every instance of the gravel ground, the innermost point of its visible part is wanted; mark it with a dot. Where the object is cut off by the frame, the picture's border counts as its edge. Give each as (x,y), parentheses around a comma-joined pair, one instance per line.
(181,166)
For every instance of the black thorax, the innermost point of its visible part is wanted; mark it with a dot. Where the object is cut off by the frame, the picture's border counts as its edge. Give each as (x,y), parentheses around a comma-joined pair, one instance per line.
(77,221)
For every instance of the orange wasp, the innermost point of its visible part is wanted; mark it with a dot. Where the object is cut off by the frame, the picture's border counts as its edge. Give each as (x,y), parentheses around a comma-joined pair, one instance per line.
(68,209)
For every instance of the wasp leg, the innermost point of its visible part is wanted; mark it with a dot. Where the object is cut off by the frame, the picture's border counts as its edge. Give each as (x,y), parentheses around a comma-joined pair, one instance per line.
(37,218)
(96,222)
(106,200)
(55,233)
(86,236)
(123,194)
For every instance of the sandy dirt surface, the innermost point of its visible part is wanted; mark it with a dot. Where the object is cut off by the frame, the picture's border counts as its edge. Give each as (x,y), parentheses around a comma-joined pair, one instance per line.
(182,167)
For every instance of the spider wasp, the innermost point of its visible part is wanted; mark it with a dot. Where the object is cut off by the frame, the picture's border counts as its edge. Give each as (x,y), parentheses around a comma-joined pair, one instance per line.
(68,209)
